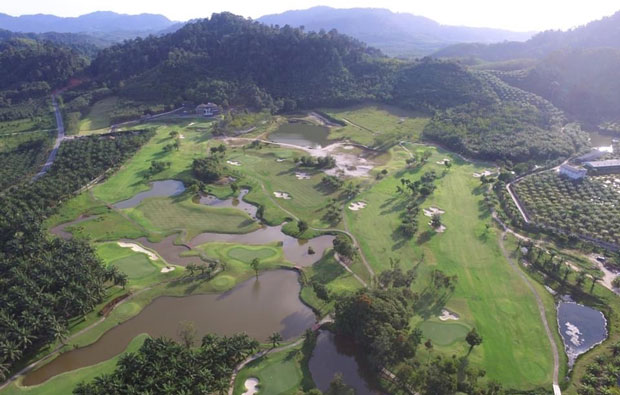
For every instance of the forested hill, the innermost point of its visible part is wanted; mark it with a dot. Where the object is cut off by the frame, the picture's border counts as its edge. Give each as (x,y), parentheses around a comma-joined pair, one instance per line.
(397,34)
(596,34)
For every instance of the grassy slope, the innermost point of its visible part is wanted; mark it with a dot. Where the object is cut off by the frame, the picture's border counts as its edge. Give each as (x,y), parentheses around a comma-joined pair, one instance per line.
(99,115)
(64,383)
(488,296)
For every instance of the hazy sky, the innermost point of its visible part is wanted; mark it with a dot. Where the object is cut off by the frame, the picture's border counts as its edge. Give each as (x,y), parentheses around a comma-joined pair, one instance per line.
(514,15)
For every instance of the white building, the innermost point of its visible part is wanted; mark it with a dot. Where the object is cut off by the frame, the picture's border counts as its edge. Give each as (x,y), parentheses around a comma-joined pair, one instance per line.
(573,172)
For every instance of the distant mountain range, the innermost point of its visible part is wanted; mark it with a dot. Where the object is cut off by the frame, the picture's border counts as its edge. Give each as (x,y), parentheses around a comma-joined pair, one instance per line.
(603,33)
(396,34)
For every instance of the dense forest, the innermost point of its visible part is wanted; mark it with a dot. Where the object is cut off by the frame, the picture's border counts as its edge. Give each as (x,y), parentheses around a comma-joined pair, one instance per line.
(47,284)
(162,366)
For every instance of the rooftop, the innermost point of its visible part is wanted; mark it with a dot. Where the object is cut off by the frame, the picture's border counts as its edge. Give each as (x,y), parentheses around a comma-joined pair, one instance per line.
(604,163)
(572,168)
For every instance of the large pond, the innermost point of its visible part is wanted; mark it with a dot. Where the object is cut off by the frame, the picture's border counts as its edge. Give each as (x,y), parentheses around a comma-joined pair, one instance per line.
(237,203)
(295,250)
(334,354)
(581,328)
(158,189)
(257,307)
(301,133)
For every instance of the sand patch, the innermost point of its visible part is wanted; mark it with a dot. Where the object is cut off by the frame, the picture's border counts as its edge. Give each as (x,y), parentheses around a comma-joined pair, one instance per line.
(280,160)
(138,248)
(251,386)
(485,173)
(443,161)
(233,163)
(429,212)
(302,176)
(357,206)
(167,269)
(282,195)
(181,136)
(440,229)
(191,124)
(448,315)
(348,147)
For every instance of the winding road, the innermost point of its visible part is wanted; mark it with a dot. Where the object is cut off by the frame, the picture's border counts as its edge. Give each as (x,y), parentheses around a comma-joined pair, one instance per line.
(59,138)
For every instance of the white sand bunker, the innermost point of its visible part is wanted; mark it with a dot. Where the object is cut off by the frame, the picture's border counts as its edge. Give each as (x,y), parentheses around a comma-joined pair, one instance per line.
(282,195)
(191,124)
(429,212)
(167,269)
(138,248)
(251,386)
(279,160)
(485,173)
(357,206)
(181,136)
(440,229)
(348,147)
(448,315)
(233,163)
(443,161)
(302,176)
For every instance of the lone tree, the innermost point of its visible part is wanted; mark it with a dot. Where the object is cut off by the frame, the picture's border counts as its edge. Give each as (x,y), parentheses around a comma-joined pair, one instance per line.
(302,226)
(254,264)
(616,282)
(436,220)
(275,339)
(473,338)
(174,134)
(581,278)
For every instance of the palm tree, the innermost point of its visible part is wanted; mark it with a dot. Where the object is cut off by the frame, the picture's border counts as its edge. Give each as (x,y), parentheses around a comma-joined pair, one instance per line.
(254,264)
(581,278)
(595,278)
(275,339)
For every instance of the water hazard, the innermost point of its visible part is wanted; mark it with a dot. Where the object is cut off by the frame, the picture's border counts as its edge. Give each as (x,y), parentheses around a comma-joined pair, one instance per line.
(158,189)
(581,328)
(334,354)
(257,307)
(301,133)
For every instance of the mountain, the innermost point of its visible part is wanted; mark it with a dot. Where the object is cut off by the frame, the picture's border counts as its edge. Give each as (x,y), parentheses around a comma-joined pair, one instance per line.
(597,34)
(397,34)
(96,22)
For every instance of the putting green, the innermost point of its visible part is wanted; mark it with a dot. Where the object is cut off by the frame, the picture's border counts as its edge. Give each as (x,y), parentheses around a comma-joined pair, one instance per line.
(135,266)
(444,333)
(246,255)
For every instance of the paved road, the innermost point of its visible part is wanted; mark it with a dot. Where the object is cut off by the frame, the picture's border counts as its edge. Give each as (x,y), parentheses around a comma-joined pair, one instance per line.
(59,138)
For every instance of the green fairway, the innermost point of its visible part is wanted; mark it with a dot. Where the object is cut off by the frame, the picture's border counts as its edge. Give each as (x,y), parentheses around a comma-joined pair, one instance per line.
(444,334)
(279,373)
(65,383)
(246,255)
(169,215)
(106,227)
(488,296)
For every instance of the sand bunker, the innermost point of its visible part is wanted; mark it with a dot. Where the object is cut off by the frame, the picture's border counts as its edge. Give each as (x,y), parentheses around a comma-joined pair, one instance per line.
(138,248)
(167,269)
(302,176)
(440,229)
(251,386)
(348,147)
(191,124)
(357,206)
(429,212)
(485,173)
(443,161)
(181,136)
(282,195)
(448,315)
(279,160)
(233,163)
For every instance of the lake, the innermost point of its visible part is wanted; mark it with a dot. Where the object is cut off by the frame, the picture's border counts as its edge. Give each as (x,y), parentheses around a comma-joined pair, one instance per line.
(158,189)
(302,134)
(581,327)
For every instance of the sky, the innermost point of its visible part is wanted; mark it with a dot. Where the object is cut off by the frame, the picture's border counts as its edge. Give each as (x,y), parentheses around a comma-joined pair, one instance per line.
(518,15)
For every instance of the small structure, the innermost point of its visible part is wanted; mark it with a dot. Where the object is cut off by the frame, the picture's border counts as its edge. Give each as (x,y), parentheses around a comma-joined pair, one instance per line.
(207,110)
(590,156)
(573,172)
(611,166)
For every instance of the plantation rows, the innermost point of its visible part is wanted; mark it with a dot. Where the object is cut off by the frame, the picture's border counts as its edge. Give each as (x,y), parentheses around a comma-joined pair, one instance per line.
(588,208)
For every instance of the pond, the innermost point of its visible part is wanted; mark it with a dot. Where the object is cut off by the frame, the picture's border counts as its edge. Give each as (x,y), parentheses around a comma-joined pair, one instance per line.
(301,133)
(334,354)
(581,328)
(158,189)
(295,250)
(600,139)
(237,203)
(257,307)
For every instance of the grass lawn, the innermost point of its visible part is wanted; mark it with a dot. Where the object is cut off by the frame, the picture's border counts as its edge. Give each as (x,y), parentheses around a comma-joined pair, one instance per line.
(106,227)
(169,215)
(65,383)
(375,125)
(279,373)
(99,115)
(488,296)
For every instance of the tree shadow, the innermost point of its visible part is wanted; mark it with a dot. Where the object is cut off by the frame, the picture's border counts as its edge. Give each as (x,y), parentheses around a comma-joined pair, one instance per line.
(425,236)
